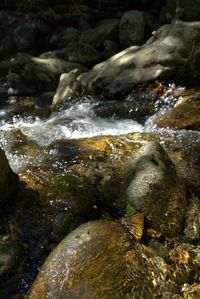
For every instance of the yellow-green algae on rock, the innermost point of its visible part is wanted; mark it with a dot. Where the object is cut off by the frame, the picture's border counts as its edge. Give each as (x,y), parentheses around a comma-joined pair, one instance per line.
(99,260)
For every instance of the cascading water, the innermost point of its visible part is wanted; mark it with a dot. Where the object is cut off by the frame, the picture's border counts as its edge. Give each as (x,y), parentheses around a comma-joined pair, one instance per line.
(78,121)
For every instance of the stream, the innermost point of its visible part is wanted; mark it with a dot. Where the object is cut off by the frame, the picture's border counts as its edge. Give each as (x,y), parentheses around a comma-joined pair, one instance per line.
(28,135)
(79,121)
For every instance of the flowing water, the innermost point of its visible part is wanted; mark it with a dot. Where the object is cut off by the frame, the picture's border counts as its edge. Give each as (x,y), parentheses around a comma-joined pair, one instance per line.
(78,121)
(26,134)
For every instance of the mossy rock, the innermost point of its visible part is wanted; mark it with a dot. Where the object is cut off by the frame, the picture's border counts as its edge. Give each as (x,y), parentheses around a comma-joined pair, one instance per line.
(99,260)
(185,115)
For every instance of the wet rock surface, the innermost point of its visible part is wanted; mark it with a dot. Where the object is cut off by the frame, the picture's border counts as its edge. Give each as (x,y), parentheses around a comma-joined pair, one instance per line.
(156,190)
(185,115)
(8,180)
(88,248)
(143,187)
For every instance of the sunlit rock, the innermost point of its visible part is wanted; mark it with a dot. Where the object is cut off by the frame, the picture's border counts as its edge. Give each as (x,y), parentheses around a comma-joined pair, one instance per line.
(172,53)
(186,262)
(68,88)
(185,114)
(191,291)
(154,188)
(30,75)
(99,260)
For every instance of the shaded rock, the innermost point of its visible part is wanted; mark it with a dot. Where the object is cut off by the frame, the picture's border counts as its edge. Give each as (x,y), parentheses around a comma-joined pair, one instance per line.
(16,35)
(98,260)
(64,38)
(30,75)
(192,229)
(131,29)
(8,180)
(138,106)
(110,48)
(44,100)
(61,225)
(107,29)
(155,189)
(168,54)
(185,10)
(85,54)
(68,87)
(11,257)
(4,67)
(185,114)
(191,291)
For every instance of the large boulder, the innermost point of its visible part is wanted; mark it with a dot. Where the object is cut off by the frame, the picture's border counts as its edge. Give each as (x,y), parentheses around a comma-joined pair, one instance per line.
(16,34)
(156,190)
(30,75)
(131,30)
(171,53)
(98,260)
(8,180)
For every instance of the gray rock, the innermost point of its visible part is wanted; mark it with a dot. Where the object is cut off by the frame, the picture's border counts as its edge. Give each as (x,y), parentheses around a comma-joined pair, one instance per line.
(85,54)
(110,48)
(185,10)
(68,87)
(156,190)
(107,29)
(131,29)
(16,34)
(171,53)
(60,54)
(30,75)
(65,37)
(8,180)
